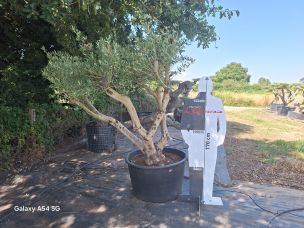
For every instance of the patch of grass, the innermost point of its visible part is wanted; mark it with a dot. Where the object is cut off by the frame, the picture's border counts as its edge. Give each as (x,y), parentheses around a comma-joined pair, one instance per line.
(267,125)
(228,149)
(281,147)
(272,135)
(243,99)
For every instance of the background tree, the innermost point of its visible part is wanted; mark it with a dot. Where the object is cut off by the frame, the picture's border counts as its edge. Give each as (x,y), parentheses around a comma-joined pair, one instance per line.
(264,81)
(301,80)
(234,72)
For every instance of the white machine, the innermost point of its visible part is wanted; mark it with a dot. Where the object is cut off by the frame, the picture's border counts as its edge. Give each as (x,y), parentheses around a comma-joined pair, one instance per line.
(203,127)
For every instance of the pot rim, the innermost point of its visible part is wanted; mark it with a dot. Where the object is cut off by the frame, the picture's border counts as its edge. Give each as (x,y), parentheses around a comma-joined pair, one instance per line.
(129,162)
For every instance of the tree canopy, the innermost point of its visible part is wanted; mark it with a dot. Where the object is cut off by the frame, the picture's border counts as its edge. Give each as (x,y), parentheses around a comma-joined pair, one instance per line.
(27,26)
(264,81)
(114,69)
(234,72)
(107,63)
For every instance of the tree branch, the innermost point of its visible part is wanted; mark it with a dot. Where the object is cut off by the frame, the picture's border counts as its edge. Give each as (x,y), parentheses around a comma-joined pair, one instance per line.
(159,97)
(90,105)
(164,128)
(158,118)
(125,100)
(165,135)
(156,69)
(167,74)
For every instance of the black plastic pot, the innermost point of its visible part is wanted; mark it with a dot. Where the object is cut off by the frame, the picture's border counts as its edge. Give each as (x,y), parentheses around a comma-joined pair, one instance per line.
(295,115)
(274,107)
(157,184)
(100,137)
(282,110)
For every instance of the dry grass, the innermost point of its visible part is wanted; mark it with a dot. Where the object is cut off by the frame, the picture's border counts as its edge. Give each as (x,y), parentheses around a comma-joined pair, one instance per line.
(241,99)
(265,125)
(265,148)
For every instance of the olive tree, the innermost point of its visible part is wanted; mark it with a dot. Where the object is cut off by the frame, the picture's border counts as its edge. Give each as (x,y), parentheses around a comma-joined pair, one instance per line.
(286,93)
(110,68)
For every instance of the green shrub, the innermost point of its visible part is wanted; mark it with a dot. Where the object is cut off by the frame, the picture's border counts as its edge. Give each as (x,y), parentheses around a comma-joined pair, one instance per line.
(19,138)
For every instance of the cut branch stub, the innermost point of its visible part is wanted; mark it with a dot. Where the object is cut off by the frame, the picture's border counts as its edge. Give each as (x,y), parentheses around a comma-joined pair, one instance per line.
(104,83)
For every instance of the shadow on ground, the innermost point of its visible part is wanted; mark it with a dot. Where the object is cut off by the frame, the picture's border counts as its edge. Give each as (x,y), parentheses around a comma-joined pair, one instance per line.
(94,190)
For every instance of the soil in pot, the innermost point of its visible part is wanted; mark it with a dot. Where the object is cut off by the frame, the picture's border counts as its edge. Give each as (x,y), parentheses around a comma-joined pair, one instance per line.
(169,159)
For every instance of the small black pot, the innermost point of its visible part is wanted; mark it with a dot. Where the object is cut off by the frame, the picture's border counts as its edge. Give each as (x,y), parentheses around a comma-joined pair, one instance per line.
(100,137)
(274,107)
(282,110)
(157,184)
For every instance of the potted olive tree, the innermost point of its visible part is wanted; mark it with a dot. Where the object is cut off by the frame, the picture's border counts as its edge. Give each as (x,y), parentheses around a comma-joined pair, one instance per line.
(298,112)
(112,69)
(284,95)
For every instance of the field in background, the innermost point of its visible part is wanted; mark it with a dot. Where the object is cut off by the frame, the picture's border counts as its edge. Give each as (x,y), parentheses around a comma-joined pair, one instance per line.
(274,135)
(263,147)
(241,99)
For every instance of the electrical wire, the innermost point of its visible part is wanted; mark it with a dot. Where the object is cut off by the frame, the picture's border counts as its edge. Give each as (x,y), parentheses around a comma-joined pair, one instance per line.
(282,213)
(38,198)
(276,214)
(252,199)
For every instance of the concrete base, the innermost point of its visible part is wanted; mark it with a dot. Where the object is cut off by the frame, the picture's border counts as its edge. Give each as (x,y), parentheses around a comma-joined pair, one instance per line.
(193,179)
(222,177)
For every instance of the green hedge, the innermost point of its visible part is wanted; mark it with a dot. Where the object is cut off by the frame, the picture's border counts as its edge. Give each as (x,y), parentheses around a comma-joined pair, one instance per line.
(18,137)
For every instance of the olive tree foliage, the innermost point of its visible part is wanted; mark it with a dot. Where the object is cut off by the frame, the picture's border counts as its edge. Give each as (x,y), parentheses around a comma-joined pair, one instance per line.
(111,68)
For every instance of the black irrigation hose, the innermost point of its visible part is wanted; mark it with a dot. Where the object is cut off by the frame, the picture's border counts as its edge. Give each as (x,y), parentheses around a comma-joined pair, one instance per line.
(252,199)
(282,213)
(276,214)
(3,218)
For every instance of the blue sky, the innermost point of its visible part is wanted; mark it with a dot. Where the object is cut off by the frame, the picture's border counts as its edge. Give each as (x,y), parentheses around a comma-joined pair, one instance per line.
(267,38)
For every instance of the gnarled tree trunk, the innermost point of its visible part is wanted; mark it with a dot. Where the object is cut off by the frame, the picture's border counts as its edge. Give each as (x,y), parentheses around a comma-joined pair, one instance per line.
(142,138)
